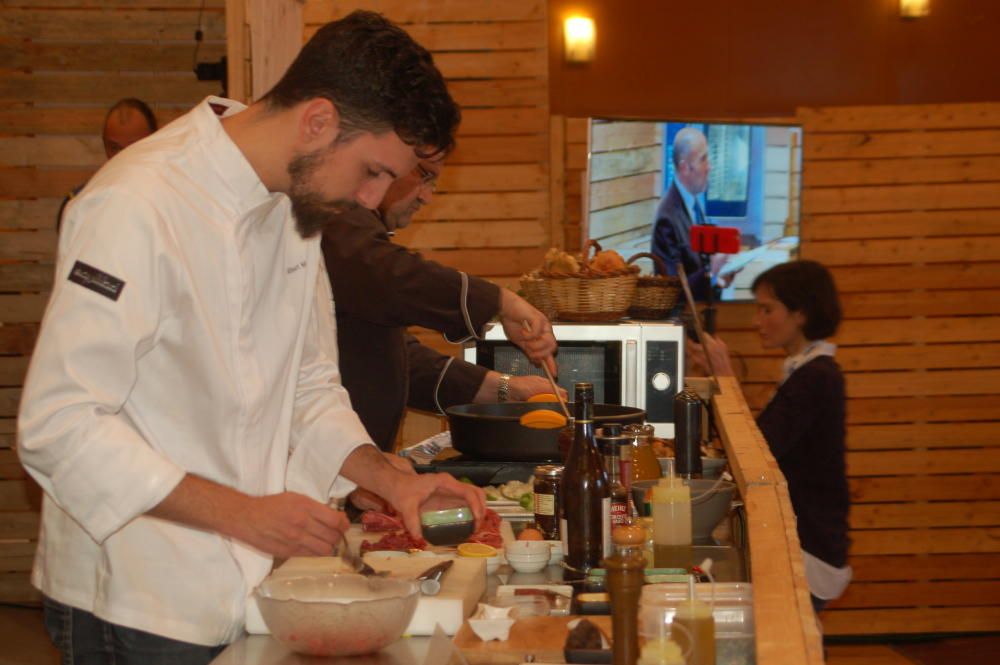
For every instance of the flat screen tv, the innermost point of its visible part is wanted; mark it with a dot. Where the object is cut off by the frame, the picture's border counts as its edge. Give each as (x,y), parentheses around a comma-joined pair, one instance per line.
(752,184)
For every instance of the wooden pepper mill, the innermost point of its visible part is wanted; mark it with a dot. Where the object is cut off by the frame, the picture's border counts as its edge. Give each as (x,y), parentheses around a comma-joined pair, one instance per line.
(625,577)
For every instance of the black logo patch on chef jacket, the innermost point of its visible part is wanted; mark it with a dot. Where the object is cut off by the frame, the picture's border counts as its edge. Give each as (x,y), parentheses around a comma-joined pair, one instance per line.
(96,280)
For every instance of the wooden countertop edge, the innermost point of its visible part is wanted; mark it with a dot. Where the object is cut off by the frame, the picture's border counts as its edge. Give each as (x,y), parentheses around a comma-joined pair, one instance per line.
(786,629)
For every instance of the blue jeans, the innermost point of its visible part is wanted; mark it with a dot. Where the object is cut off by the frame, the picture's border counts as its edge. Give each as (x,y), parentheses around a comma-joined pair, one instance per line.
(83,639)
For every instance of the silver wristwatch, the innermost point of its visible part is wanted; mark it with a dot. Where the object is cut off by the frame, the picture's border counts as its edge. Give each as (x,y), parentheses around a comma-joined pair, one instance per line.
(503,390)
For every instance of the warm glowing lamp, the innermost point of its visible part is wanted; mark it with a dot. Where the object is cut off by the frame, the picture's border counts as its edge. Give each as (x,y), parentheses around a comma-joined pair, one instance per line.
(578,32)
(914,8)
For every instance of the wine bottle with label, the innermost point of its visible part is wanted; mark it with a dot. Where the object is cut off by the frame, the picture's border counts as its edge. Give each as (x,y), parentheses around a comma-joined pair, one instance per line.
(586,491)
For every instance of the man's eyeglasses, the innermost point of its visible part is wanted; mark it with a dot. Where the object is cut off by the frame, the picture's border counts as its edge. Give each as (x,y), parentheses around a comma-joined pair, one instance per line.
(427,177)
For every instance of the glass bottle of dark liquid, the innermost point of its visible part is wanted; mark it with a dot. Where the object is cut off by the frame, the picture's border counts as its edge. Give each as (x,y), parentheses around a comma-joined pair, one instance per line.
(611,434)
(585,491)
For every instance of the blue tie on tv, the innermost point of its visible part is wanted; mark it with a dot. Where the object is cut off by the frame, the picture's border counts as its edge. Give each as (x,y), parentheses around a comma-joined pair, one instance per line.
(699,214)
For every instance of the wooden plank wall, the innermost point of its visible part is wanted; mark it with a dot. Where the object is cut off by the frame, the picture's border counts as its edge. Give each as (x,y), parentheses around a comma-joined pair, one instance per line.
(62,63)
(903,203)
(626,175)
(490,216)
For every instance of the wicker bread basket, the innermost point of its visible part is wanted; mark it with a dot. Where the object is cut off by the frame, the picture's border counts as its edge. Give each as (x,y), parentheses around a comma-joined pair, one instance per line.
(587,296)
(655,295)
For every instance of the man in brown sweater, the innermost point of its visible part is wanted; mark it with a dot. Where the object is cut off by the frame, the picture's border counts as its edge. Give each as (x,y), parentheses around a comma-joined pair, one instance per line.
(380,288)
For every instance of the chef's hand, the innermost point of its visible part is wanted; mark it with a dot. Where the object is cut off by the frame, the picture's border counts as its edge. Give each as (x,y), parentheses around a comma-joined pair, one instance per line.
(283,525)
(523,387)
(414,494)
(365,500)
(290,524)
(410,493)
(715,349)
(520,387)
(536,340)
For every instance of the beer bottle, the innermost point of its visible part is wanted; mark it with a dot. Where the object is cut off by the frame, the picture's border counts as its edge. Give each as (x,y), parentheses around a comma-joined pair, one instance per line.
(586,492)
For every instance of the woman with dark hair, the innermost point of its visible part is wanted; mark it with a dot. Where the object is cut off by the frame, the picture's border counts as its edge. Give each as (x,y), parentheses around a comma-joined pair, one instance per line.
(804,423)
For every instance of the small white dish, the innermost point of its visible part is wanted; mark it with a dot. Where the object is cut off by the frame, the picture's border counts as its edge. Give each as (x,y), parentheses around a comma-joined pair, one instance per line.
(491,623)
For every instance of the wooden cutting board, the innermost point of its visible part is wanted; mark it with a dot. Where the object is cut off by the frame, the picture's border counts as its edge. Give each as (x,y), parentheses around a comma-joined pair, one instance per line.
(541,637)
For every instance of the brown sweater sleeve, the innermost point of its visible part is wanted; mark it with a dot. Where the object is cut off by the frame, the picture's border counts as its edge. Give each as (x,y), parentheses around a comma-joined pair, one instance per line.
(384,283)
(438,381)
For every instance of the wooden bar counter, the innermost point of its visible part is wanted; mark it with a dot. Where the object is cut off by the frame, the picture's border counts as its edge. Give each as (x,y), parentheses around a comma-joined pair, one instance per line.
(785,624)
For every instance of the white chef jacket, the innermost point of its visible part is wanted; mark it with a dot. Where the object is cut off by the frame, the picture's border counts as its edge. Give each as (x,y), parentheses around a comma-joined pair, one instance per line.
(189,330)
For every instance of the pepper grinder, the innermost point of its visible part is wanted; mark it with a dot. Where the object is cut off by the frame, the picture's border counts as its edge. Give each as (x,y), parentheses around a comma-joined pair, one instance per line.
(625,577)
(687,433)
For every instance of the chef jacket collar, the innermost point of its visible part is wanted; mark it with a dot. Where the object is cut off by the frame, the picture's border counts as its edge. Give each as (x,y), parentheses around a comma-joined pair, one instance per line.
(237,176)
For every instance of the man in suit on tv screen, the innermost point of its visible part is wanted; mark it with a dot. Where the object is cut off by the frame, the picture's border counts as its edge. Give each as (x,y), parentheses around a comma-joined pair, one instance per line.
(681,208)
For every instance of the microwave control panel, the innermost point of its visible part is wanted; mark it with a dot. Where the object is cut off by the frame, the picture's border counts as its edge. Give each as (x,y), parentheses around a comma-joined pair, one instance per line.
(662,380)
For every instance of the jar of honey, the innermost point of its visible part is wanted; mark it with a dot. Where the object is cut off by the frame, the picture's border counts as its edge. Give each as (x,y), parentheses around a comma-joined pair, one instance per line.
(645,466)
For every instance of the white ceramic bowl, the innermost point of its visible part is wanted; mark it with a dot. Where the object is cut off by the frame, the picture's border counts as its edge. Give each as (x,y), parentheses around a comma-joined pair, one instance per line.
(529,557)
(528,566)
(556,552)
(337,614)
(521,547)
(492,564)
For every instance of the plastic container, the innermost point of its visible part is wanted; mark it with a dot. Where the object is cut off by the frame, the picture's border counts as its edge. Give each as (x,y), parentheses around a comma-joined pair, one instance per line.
(732,610)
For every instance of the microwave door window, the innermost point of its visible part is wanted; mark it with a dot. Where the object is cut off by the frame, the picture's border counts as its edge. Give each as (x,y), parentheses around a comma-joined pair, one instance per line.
(596,362)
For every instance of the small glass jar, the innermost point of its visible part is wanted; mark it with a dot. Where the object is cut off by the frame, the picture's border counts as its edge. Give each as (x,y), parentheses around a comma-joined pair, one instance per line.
(645,466)
(548,499)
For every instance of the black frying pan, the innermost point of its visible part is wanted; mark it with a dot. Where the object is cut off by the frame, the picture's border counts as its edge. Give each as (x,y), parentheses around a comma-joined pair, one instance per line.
(493,431)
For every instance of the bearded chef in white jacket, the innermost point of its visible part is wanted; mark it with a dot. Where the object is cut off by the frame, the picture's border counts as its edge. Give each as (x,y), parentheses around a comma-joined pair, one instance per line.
(183,411)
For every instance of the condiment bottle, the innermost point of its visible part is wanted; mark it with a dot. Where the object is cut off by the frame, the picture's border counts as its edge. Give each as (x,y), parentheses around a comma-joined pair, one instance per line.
(687,428)
(672,523)
(696,635)
(585,491)
(610,436)
(644,463)
(625,579)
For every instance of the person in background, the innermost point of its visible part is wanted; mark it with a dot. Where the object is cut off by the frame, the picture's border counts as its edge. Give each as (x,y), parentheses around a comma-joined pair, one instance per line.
(681,208)
(126,122)
(380,287)
(804,423)
(182,410)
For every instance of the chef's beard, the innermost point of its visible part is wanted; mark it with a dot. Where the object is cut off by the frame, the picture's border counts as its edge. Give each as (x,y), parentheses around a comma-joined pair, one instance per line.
(312,212)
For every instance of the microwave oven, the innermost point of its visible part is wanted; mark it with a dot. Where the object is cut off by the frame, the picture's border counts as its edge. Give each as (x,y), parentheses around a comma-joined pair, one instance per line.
(633,363)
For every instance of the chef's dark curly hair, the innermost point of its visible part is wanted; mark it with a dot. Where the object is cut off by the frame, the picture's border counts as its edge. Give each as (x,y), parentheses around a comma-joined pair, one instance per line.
(378,78)
(807,287)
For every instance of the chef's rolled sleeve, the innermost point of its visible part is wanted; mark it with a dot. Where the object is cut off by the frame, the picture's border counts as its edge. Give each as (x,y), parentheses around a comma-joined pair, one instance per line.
(75,439)
(325,429)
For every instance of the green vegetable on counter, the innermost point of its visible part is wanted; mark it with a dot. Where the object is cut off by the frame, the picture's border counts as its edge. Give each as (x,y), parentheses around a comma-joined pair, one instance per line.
(527,501)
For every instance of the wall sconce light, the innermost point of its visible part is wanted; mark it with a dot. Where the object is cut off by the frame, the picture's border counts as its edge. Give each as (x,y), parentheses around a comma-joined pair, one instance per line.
(578,34)
(914,8)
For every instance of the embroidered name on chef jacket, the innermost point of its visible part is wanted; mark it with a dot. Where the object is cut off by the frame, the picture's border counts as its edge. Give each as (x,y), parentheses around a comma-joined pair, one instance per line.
(96,280)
